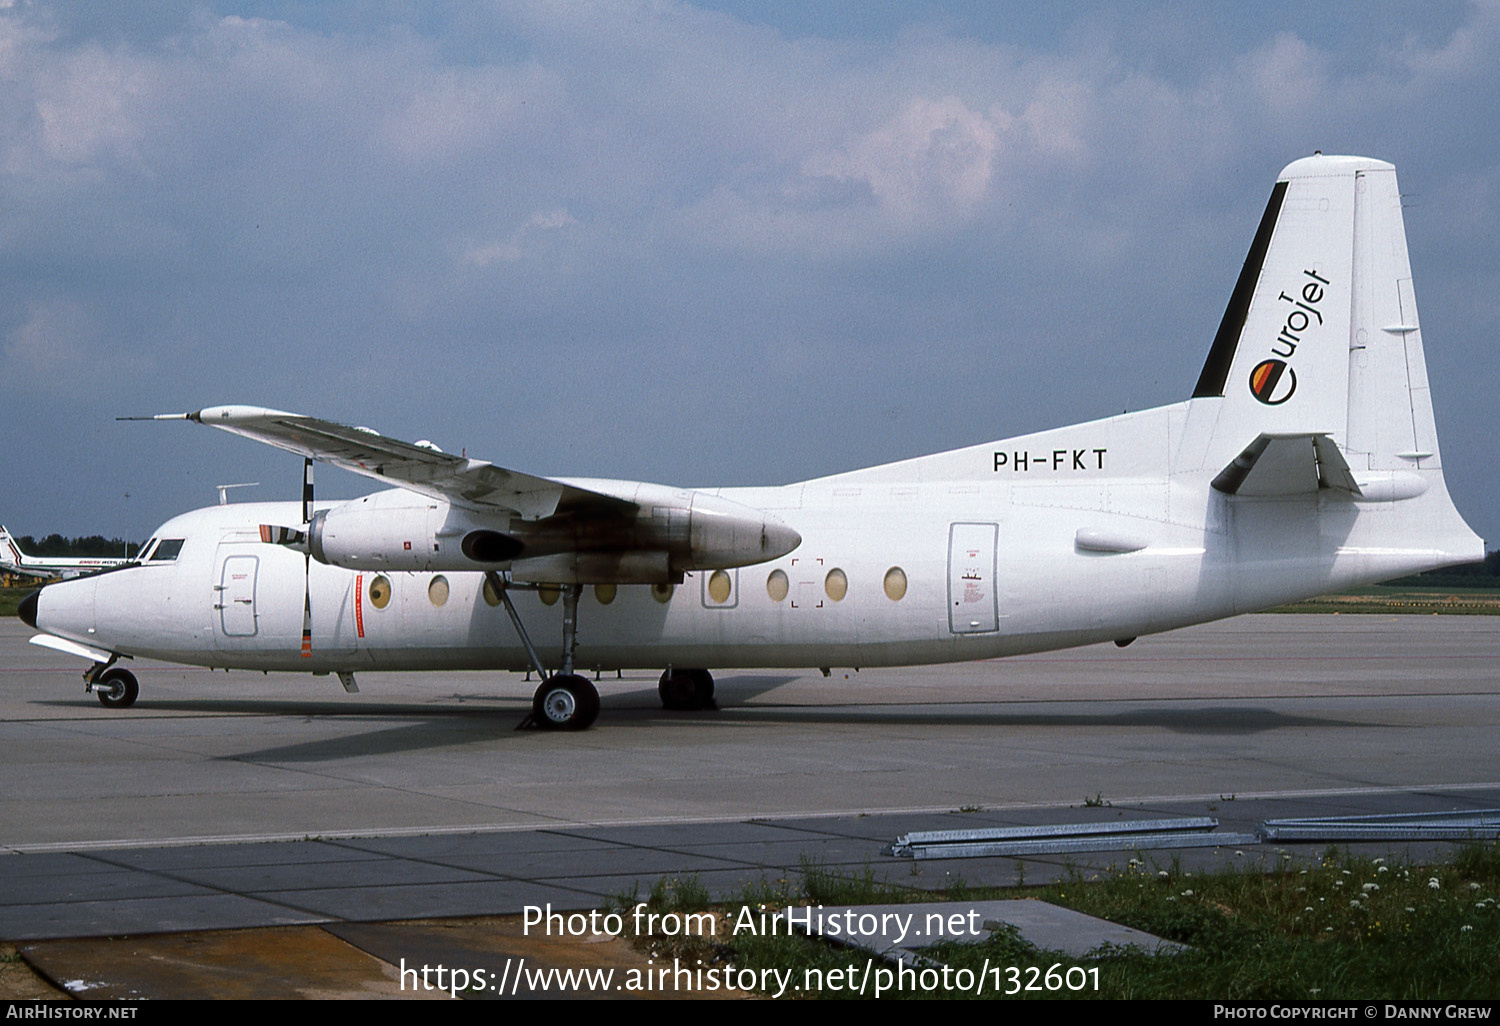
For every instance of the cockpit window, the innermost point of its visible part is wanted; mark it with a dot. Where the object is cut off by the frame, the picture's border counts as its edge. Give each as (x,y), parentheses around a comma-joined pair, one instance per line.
(167,550)
(145,552)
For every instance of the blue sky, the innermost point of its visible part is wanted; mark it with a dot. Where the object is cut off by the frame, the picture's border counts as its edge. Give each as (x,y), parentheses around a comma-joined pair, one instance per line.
(715,243)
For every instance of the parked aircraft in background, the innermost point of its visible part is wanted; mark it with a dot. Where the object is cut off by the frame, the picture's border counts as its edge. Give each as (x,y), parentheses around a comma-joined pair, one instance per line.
(14,561)
(1305,461)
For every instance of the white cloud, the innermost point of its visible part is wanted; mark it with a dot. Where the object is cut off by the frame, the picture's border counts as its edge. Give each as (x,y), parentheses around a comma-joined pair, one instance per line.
(934,158)
(56,346)
(512,248)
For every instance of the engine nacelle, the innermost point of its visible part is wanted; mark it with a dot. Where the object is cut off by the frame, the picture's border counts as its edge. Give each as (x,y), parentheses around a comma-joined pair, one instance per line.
(401,530)
(670,531)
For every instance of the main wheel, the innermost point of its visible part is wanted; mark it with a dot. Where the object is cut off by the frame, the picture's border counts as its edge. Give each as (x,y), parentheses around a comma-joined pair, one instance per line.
(117,689)
(682,690)
(565,701)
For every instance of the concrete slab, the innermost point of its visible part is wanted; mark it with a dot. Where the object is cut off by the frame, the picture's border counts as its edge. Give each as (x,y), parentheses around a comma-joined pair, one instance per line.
(417,901)
(147,915)
(902,931)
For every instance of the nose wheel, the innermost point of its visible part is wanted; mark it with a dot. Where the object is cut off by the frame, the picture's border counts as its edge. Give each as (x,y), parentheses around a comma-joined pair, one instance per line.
(117,689)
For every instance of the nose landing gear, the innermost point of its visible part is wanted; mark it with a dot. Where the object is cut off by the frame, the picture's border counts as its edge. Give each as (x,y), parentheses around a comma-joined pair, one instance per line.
(117,689)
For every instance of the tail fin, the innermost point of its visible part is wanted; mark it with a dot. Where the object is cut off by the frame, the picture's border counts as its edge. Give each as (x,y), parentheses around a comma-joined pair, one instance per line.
(1321,336)
(10,552)
(1318,361)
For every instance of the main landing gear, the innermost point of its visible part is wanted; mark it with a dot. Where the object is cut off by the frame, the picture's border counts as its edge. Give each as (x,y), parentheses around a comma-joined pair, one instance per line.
(683,690)
(568,701)
(565,700)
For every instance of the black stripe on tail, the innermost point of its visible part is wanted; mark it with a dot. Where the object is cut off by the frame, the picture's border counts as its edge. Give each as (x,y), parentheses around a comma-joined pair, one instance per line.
(1216,369)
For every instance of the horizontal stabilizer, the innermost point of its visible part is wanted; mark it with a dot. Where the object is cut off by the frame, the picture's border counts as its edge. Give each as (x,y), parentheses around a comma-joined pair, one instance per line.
(1282,465)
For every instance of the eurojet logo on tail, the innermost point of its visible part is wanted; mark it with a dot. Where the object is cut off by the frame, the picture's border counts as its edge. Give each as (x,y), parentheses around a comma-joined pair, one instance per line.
(1265,381)
(1273,381)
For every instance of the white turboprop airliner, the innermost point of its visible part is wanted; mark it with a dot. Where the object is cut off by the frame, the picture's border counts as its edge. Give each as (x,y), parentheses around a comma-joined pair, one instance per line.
(14,561)
(1306,461)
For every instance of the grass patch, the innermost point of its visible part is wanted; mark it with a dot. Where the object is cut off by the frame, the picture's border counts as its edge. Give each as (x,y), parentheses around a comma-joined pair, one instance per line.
(10,598)
(1414,599)
(1346,927)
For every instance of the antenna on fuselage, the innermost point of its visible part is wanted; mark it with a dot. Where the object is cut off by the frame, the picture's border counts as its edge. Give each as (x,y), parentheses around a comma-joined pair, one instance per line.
(224,490)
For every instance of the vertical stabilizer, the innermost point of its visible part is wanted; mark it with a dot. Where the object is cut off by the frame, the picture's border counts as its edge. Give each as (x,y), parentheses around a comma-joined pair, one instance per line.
(1316,383)
(1280,361)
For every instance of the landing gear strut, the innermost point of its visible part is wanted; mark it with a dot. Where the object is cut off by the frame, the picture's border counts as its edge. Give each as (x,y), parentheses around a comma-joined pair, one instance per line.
(686,690)
(565,700)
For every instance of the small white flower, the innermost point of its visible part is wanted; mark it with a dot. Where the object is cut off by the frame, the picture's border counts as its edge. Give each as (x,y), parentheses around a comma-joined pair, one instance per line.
(1187,894)
(1338,883)
(1433,885)
(1473,887)
(1348,872)
(1379,862)
(1370,888)
(1383,869)
(1162,874)
(1466,929)
(1355,904)
(1308,909)
(1410,909)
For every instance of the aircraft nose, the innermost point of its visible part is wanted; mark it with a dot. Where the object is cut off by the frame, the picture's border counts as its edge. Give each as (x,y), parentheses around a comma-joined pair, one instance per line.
(27,609)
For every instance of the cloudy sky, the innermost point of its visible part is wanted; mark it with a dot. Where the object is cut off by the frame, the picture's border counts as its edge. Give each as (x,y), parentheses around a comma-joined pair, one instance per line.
(698,243)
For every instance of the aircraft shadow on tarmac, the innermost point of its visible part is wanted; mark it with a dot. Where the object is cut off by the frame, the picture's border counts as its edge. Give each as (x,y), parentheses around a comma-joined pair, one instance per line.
(452,728)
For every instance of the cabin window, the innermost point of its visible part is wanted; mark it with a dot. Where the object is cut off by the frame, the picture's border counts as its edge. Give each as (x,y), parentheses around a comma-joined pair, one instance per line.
(380,591)
(718,586)
(491,596)
(549,594)
(777,585)
(437,590)
(895,584)
(605,593)
(836,584)
(167,550)
(663,592)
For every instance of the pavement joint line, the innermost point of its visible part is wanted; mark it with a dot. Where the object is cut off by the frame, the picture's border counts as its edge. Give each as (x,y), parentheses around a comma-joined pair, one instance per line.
(770,818)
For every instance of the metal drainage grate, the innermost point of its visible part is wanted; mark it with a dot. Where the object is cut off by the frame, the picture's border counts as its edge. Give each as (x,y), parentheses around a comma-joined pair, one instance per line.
(1472,824)
(1061,838)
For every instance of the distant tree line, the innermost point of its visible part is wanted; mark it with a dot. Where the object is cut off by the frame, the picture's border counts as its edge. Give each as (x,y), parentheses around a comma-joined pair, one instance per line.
(93,545)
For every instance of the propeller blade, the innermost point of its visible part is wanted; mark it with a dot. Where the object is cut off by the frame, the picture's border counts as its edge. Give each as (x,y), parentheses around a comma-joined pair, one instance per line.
(306,608)
(290,537)
(307,513)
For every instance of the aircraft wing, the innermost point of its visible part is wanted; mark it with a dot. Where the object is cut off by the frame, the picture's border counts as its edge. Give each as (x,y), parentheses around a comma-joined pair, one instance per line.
(421,467)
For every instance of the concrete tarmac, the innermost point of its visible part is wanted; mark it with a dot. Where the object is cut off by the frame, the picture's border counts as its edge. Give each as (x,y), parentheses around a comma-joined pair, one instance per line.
(416,799)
